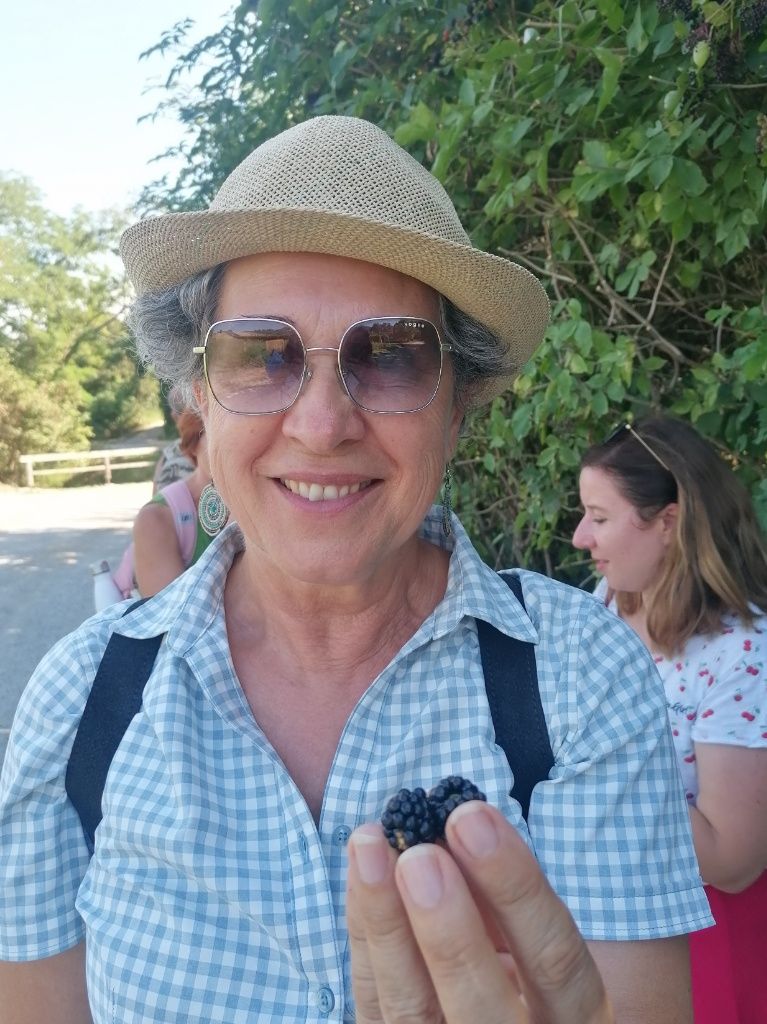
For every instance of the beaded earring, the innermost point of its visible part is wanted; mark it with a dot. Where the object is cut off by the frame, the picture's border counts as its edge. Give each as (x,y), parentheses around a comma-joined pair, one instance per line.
(212,511)
(447,501)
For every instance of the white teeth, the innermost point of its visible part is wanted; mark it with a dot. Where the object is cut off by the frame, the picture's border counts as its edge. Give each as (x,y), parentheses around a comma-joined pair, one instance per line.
(316,492)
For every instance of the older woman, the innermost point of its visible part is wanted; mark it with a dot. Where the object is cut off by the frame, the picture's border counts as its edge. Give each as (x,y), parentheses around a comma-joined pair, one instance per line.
(334,324)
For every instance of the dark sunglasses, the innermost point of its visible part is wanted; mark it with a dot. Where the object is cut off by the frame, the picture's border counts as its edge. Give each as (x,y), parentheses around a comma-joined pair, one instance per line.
(255,366)
(619,431)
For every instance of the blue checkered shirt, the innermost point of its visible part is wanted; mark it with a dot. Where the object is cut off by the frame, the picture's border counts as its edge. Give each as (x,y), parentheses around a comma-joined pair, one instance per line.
(213,896)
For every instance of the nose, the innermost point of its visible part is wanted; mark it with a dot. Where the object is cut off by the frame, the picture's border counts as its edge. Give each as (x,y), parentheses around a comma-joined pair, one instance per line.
(323,416)
(582,537)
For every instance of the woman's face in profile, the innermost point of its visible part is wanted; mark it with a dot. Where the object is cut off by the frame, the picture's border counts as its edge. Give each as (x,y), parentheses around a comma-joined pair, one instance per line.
(628,552)
(327,491)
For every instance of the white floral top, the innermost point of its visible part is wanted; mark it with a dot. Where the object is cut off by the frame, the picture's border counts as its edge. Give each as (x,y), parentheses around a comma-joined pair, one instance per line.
(716,691)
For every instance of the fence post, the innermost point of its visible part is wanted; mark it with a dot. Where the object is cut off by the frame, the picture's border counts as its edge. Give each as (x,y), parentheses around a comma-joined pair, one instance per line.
(107,469)
(30,474)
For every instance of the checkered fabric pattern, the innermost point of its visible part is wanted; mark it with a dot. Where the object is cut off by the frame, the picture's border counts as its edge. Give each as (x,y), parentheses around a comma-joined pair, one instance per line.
(212,895)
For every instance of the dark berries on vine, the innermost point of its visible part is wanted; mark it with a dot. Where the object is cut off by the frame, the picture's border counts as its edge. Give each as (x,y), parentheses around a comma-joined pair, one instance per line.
(726,65)
(411,817)
(449,794)
(753,17)
(681,8)
(700,34)
(408,819)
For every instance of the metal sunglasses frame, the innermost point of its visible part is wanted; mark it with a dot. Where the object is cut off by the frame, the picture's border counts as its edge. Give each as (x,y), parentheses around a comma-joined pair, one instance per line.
(307,373)
(635,434)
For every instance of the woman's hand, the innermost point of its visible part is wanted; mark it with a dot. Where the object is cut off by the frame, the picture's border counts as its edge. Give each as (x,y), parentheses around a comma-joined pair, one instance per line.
(472,932)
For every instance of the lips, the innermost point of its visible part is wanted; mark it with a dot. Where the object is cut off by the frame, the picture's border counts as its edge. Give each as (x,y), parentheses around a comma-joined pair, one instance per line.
(323,492)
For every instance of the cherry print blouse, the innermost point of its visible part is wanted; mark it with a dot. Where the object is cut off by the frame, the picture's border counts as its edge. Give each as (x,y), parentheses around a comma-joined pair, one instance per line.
(716,690)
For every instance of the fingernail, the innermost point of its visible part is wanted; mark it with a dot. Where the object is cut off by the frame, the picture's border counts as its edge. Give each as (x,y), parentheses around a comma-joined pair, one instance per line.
(475,828)
(419,869)
(371,855)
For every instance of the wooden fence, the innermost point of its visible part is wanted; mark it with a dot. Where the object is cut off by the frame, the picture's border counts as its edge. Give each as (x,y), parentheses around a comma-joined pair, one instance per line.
(108,461)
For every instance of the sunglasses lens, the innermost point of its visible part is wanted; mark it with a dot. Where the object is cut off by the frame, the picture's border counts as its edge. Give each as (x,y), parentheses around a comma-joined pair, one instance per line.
(254,366)
(391,364)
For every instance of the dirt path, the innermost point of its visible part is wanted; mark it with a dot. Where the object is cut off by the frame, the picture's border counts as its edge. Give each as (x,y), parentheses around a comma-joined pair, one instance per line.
(48,539)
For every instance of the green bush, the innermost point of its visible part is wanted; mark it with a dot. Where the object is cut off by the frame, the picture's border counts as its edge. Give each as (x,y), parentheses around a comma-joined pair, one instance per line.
(617,150)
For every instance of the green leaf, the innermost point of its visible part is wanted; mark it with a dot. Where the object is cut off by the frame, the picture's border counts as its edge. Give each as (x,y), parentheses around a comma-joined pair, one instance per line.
(520,129)
(660,169)
(482,111)
(735,242)
(521,421)
(636,37)
(466,94)
(612,12)
(664,40)
(599,403)
(715,14)
(689,177)
(596,154)
(612,65)
(548,455)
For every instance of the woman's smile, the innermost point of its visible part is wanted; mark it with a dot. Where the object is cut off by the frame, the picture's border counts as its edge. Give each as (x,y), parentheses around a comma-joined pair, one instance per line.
(324,492)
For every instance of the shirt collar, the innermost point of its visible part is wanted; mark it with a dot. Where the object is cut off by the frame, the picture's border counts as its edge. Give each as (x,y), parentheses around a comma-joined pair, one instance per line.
(474,590)
(185,609)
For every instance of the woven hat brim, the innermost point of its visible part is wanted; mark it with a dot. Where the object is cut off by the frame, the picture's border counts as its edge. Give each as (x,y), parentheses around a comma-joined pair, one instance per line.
(163,251)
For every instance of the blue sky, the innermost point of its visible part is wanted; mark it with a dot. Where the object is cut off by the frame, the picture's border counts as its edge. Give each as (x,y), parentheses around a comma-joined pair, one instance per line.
(72,89)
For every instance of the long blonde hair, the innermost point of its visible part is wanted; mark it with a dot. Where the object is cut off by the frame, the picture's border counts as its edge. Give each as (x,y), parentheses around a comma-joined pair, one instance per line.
(717,562)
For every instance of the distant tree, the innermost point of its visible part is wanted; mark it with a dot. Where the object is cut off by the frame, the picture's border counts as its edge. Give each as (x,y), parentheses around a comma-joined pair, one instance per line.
(618,150)
(66,367)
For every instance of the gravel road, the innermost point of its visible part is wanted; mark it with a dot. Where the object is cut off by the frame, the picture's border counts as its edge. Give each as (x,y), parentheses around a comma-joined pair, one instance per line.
(48,539)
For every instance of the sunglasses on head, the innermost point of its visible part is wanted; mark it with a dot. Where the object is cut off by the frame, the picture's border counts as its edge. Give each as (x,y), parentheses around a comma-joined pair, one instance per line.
(255,366)
(618,432)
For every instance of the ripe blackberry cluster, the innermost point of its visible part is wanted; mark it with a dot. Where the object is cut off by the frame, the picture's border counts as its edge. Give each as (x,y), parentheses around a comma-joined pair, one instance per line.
(752,18)
(414,816)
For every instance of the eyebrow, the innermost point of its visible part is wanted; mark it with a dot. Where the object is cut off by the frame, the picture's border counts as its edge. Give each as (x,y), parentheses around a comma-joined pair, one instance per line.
(594,508)
(265,316)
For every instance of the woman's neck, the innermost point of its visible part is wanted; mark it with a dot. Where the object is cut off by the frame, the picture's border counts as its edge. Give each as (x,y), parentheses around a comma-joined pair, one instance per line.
(335,634)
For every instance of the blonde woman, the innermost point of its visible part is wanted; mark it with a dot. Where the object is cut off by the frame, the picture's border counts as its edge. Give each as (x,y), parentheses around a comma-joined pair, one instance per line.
(675,537)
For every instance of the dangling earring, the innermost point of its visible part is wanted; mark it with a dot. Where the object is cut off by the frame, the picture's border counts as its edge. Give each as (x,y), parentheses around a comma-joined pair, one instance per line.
(212,511)
(447,501)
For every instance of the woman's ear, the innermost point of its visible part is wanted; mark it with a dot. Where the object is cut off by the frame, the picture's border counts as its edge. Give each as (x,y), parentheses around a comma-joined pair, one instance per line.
(200,392)
(668,518)
(457,419)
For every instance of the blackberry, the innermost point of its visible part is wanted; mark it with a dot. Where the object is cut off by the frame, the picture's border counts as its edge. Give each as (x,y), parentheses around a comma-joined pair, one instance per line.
(408,819)
(447,795)
(752,18)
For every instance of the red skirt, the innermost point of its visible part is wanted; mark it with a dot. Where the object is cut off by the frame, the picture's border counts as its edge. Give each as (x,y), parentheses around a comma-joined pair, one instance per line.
(729,961)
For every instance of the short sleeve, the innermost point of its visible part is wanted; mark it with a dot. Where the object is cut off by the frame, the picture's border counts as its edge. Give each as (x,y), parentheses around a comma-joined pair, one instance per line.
(611,826)
(43,855)
(732,676)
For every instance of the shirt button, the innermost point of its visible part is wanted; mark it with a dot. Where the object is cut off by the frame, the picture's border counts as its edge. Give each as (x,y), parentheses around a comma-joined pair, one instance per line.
(303,846)
(325,1000)
(341,835)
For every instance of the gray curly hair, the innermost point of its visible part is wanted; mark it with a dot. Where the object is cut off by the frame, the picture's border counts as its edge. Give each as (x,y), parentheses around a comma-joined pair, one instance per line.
(166,326)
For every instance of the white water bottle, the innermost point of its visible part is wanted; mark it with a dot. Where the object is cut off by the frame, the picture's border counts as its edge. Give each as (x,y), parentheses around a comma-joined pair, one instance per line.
(105,590)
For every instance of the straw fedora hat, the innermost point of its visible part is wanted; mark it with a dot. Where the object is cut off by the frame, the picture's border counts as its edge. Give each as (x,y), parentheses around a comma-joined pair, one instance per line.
(342,186)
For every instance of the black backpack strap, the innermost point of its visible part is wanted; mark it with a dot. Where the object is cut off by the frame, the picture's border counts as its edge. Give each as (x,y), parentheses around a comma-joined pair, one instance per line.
(511,681)
(114,700)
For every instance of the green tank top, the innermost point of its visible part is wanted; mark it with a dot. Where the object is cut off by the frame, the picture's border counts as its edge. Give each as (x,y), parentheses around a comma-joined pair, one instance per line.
(201,540)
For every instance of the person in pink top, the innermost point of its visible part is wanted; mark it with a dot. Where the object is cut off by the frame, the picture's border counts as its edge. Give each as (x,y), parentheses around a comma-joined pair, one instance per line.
(162,549)
(674,535)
